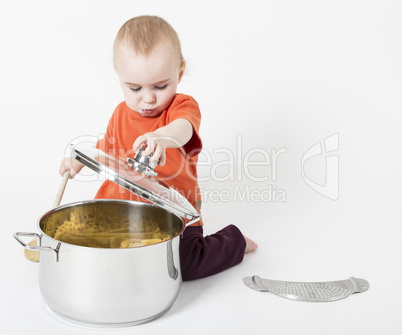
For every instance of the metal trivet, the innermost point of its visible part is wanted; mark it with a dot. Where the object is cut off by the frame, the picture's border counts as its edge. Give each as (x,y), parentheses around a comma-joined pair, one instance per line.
(309,291)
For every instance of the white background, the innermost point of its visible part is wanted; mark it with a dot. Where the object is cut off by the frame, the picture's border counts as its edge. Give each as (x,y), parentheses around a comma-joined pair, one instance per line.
(274,74)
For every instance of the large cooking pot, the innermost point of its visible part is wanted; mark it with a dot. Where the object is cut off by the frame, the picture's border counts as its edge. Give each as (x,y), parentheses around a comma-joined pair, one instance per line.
(105,286)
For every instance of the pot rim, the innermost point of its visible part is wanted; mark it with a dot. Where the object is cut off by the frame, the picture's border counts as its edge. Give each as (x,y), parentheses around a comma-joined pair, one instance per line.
(140,203)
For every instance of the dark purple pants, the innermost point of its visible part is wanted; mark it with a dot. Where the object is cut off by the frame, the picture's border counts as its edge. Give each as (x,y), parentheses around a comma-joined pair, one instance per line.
(205,256)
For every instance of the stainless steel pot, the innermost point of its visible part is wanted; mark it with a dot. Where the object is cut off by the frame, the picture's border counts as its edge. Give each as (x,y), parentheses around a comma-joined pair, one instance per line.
(107,287)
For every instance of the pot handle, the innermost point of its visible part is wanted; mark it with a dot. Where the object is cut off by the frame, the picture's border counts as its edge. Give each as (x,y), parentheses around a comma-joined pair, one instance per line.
(32,247)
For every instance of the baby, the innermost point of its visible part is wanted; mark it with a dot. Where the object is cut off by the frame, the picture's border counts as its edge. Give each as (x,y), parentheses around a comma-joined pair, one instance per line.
(149,64)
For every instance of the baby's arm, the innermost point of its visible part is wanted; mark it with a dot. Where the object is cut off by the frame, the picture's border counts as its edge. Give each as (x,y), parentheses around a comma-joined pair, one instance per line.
(174,135)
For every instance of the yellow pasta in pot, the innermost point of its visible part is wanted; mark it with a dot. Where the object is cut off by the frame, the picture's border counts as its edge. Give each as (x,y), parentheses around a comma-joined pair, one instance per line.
(150,241)
(104,228)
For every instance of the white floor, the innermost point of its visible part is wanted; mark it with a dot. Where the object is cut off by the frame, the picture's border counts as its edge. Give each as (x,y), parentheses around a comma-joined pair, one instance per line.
(299,246)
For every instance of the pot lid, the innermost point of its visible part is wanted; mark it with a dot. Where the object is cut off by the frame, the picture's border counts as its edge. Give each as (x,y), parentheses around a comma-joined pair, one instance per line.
(138,177)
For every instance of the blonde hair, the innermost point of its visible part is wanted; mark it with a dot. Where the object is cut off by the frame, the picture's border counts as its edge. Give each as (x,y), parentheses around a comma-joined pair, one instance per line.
(143,33)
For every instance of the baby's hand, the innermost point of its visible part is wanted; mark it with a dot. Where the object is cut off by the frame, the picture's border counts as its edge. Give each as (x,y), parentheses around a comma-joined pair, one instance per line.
(71,165)
(174,135)
(153,143)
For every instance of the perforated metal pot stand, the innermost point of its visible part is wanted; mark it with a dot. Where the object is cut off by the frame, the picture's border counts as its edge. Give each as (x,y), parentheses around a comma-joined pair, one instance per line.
(309,291)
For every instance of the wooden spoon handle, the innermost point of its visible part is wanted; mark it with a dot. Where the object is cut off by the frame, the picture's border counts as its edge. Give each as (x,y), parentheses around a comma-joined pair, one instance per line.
(62,187)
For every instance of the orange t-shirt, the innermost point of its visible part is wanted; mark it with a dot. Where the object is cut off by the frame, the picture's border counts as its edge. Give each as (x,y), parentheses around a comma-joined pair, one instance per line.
(180,170)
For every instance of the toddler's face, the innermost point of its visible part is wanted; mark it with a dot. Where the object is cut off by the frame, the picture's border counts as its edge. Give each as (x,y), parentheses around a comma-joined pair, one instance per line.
(149,83)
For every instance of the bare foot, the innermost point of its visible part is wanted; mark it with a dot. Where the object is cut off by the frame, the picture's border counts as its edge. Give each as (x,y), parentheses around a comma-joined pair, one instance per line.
(250,245)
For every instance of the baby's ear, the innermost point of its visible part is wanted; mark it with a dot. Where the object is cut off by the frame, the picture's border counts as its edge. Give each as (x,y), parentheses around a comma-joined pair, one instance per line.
(181,71)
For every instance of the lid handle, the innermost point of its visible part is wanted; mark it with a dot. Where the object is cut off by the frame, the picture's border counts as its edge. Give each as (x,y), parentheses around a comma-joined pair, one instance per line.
(143,163)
